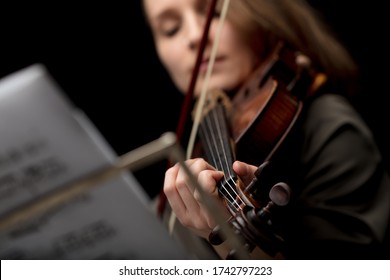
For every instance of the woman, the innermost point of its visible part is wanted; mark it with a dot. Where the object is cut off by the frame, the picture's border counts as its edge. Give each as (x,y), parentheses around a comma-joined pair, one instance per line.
(340,193)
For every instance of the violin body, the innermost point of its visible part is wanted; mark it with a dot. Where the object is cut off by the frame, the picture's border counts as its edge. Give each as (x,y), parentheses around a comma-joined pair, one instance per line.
(262,121)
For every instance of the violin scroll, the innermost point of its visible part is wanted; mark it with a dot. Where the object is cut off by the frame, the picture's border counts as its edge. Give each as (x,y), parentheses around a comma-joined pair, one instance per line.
(254,224)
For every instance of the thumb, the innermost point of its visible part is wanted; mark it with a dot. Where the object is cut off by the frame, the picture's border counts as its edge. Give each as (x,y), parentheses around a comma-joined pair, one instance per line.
(245,171)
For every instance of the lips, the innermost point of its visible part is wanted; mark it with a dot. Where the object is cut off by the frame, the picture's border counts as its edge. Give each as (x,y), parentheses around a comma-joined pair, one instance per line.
(205,63)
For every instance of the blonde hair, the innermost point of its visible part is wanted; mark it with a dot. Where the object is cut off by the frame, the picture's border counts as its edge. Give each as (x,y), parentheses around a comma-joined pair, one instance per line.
(298,24)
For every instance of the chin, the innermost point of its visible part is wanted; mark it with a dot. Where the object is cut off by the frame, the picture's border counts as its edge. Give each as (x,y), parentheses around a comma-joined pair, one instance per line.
(225,83)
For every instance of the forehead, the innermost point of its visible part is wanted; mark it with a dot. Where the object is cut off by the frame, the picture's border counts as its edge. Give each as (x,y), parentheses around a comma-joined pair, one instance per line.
(155,8)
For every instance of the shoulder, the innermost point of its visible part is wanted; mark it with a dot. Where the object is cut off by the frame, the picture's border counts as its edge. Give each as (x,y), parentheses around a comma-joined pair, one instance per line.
(330,111)
(330,119)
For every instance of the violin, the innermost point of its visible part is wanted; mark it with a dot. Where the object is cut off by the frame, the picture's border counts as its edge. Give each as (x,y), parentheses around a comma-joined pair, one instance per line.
(266,109)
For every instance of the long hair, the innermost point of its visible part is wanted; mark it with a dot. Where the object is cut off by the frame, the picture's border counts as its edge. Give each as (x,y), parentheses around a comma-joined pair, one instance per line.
(301,26)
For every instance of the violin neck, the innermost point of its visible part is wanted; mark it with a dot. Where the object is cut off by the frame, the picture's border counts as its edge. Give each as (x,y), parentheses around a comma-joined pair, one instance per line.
(218,147)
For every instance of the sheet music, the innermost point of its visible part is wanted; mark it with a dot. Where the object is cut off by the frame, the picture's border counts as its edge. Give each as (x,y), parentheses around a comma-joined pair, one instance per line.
(46,143)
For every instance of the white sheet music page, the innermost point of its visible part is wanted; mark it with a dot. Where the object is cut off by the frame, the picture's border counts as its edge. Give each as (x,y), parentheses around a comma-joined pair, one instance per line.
(46,143)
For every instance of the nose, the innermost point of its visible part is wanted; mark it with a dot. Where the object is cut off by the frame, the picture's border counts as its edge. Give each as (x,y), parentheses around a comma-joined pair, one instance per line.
(195,31)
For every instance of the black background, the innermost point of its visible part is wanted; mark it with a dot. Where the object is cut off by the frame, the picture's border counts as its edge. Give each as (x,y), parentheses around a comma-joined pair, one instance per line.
(102,55)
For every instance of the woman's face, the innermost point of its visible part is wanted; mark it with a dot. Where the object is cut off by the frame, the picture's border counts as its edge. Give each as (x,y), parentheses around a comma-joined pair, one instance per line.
(177,28)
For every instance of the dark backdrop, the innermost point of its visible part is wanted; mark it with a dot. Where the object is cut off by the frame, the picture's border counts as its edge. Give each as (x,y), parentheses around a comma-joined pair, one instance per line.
(101,54)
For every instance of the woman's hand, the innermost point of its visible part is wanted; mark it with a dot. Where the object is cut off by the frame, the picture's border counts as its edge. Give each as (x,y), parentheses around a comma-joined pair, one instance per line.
(185,201)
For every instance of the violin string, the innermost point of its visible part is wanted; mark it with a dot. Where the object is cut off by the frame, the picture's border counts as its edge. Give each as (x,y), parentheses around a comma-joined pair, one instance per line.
(202,97)
(212,143)
(228,196)
(209,141)
(221,127)
(214,132)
